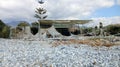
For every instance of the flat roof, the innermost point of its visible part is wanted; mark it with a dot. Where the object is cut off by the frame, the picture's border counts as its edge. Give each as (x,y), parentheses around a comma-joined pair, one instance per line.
(65,21)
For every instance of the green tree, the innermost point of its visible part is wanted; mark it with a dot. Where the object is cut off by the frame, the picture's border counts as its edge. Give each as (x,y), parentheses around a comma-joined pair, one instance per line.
(96,30)
(34,24)
(23,24)
(113,29)
(96,27)
(101,29)
(2,24)
(87,30)
(6,31)
(40,13)
(101,25)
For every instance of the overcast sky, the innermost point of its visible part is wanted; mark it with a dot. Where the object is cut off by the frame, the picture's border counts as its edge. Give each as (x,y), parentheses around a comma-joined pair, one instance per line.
(106,11)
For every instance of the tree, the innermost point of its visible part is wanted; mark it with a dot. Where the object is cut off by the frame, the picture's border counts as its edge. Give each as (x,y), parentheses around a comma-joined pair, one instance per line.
(96,30)
(96,27)
(101,28)
(34,24)
(113,29)
(2,24)
(4,30)
(34,28)
(40,13)
(101,25)
(23,24)
(87,30)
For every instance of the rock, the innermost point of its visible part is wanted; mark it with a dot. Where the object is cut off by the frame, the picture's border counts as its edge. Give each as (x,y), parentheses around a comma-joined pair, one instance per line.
(37,53)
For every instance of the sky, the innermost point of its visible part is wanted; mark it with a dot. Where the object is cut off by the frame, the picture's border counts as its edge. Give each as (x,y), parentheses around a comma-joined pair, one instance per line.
(106,11)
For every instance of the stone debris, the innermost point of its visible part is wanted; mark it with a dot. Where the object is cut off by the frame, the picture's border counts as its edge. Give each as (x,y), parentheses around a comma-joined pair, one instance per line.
(19,53)
(92,42)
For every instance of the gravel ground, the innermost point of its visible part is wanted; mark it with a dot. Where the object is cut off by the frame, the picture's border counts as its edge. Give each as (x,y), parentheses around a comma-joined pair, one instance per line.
(19,53)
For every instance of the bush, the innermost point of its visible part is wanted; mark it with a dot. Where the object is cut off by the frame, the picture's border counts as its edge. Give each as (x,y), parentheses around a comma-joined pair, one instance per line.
(113,29)
(4,30)
(117,34)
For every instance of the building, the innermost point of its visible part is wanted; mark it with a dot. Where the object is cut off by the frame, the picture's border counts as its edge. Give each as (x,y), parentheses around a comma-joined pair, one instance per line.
(54,27)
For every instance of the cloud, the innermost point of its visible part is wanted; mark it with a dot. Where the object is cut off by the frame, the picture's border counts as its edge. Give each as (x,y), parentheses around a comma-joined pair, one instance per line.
(105,20)
(17,9)
(57,9)
(118,2)
(76,8)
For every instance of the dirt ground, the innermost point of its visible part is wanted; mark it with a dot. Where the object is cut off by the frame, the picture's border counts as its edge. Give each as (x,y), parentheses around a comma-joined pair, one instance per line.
(91,41)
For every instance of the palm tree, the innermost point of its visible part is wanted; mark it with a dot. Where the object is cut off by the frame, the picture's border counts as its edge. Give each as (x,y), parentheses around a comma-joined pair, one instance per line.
(23,24)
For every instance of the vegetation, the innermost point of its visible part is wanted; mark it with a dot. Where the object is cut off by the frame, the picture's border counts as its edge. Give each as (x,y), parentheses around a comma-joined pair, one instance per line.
(23,24)
(40,14)
(87,30)
(4,30)
(34,24)
(1,25)
(110,29)
(113,29)
(34,28)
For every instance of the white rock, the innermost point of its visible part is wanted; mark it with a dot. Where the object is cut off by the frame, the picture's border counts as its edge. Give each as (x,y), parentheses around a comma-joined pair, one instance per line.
(19,53)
